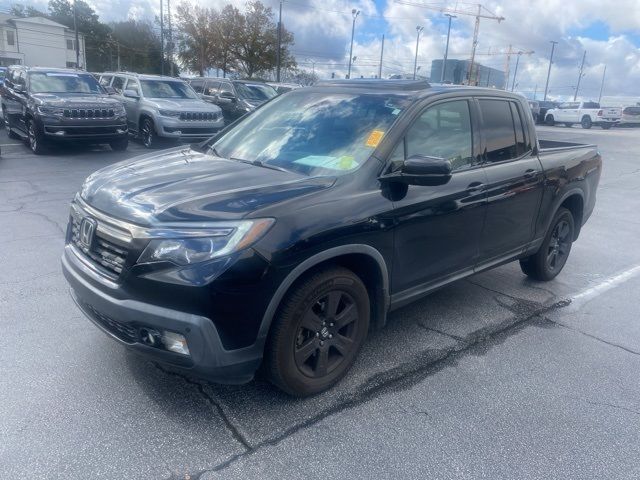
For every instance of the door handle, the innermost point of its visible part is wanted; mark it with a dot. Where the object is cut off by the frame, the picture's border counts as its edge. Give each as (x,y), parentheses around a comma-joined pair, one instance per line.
(475,187)
(530,173)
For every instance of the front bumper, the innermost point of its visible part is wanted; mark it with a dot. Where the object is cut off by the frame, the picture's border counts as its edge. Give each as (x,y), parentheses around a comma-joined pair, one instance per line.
(97,130)
(193,129)
(122,318)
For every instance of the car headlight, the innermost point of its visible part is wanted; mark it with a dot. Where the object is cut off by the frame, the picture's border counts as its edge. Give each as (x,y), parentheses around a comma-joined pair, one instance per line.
(119,110)
(49,110)
(186,247)
(169,113)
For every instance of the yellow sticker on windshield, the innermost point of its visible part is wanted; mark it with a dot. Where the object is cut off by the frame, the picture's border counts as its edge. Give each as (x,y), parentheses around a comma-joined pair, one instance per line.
(374,138)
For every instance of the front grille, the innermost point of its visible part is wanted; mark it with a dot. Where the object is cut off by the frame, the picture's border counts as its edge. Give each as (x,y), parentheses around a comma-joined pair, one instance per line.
(199,116)
(104,253)
(123,331)
(88,113)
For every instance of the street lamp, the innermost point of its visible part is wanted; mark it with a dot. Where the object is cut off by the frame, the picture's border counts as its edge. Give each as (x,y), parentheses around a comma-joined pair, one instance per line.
(446,50)
(355,14)
(419,29)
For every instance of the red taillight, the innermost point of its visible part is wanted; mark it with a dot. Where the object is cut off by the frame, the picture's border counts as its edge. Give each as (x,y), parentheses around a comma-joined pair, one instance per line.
(599,113)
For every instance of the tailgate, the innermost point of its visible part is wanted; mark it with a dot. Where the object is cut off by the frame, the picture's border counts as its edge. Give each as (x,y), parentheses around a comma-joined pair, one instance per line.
(611,113)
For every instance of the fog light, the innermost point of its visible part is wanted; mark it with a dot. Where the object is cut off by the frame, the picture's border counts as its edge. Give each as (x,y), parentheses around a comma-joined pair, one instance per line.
(150,337)
(174,342)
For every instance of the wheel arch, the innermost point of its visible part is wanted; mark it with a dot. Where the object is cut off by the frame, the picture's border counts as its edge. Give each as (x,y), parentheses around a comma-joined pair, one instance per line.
(574,202)
(364,260)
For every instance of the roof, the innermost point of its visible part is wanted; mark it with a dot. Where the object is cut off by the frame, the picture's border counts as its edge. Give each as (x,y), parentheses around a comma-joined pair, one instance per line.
(145,76)
(51,69)
(378,84)
(39,20)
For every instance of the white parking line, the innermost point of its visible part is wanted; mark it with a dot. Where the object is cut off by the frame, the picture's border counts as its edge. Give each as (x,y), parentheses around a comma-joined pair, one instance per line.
(9,144)
(605,285)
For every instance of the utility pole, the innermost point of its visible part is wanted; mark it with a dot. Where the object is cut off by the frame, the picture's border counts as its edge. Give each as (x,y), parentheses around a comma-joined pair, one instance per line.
(515,72)
(415,62)
(446,49)
(118,56)
(381,53)
(602,84)
(546,86)
(161,39)
(355,14)
(575,95)
(278,59)
(507,68)
(75,27)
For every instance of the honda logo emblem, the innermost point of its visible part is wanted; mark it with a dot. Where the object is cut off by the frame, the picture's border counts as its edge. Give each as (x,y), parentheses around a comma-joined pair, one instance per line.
(87,230)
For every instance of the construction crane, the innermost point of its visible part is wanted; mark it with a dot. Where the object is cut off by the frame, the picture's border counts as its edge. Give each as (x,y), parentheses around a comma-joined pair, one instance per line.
(508,52)
(461,8)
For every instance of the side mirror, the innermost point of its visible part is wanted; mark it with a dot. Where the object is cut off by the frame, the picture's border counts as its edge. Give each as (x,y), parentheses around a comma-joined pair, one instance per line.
(421,170)
(131,94)
(227,96)
(110,90)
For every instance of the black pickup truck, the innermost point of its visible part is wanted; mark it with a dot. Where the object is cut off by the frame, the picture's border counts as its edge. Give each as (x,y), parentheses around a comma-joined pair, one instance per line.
(282,240)
(45,105)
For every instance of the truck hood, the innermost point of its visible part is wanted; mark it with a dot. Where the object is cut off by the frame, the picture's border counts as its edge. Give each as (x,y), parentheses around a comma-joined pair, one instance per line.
(190,105)
(71,100)
(181,184)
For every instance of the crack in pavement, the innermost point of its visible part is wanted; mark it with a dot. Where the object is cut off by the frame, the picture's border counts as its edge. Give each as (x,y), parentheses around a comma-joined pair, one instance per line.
(235,433)
(577,330)
(431,329)
(605,404)
(399,378)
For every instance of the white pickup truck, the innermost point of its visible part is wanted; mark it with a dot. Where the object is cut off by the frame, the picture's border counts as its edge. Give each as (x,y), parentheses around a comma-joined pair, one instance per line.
(586,114)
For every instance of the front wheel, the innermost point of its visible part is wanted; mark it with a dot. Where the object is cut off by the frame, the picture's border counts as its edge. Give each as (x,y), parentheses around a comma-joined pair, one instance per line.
(119,145)
(318,332)
(150,138)
(35,138)
(586,123)
(549,260)
(550,120)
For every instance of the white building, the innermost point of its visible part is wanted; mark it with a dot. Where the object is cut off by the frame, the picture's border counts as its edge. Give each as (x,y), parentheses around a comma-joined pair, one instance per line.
(38,42)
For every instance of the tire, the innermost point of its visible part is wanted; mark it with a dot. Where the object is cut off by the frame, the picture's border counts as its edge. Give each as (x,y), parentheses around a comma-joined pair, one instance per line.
(148,133)
(549,260)
(605,126)
(308,351)
(119,145)
(586,122)
(549,120)
(35,139)
(7,125)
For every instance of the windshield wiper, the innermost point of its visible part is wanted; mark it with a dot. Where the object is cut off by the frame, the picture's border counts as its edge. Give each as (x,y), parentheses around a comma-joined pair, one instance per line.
(258,163)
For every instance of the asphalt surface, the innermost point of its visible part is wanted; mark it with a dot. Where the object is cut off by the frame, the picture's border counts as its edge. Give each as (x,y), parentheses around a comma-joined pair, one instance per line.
(491,377)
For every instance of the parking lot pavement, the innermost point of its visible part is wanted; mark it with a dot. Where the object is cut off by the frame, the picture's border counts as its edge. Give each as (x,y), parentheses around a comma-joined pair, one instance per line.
(495,376)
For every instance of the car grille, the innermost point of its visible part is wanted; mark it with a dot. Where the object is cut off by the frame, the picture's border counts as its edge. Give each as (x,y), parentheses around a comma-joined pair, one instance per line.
(199,116)
(107,255)
(123,331)
(88,113)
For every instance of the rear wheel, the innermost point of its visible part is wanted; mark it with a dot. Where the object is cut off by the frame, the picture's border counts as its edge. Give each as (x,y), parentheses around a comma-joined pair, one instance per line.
(549,260)
(549,120)
(586,122)
(35,138)
(318,332)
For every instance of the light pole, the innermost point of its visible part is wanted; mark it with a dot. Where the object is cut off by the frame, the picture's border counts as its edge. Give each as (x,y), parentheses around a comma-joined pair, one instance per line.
(75,27)
(515,72)
(580,75)
(446,50)
(355,14)
(279,44)
(546,86)
(415,62)
(602,84)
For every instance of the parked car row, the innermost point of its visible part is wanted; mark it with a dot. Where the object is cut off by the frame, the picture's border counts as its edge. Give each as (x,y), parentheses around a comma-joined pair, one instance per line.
(586,114)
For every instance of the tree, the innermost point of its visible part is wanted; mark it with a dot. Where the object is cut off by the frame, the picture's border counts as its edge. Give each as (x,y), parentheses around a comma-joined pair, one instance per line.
(19,10)
(255,41)
(302,77)
(138,46)
(97,35)
(196,37)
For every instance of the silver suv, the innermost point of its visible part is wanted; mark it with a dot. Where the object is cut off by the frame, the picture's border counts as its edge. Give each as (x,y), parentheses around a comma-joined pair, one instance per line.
(163,108)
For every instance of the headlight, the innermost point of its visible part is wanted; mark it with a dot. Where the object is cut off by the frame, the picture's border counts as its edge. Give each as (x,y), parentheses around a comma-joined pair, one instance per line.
(169,113)
(49,110)
(185,247)
(119,110)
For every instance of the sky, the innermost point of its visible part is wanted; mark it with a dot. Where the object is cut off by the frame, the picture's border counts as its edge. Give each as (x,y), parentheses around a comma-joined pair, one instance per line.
(608,30)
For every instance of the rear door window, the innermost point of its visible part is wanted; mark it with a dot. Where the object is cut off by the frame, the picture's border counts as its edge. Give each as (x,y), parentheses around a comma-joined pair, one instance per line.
(501,142)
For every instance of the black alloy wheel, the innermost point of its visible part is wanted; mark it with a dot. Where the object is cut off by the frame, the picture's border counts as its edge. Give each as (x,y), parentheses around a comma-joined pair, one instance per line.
(35,139)
(317,334)
(551,257)
(148,134)
(586,122)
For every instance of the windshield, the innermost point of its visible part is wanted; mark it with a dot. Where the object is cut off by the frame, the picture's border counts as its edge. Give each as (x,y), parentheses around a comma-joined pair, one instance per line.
(62,82)
(265,91)
(252,91)
(166,89)
(313,133)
